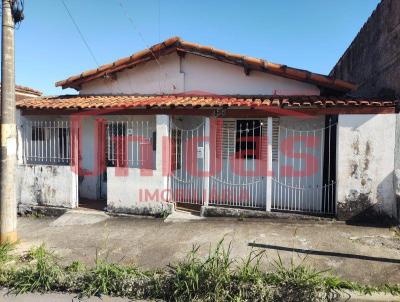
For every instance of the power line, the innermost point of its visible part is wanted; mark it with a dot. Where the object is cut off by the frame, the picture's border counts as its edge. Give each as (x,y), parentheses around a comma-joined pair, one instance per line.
(138,32)
(85,42)
(80,33)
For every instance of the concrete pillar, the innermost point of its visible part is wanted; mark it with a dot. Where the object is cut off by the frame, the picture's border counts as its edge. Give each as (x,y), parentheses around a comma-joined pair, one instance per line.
(163,150)
(8,204)
(207,136)
(396,180)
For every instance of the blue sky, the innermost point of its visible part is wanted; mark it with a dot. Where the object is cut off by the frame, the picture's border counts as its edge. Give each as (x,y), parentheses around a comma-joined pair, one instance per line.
(308,34)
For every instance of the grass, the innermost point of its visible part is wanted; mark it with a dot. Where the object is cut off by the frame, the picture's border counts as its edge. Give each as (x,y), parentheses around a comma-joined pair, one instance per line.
(5,252)
(38,272)
(217,277)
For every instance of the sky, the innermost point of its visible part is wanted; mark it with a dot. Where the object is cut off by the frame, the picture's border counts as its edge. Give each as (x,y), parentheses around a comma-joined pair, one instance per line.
(307,34)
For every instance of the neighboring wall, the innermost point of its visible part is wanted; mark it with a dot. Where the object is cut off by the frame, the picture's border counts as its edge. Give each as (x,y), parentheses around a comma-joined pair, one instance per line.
(373,59)
(365,167)
(191,73)
(373,62)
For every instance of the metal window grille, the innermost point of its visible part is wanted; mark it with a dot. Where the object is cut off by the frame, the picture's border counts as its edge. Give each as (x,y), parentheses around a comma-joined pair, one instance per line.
(130,144)
(46,142)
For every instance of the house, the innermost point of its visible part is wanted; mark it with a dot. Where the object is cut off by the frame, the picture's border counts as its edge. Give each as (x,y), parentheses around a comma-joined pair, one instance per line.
(190,125)
(22,92)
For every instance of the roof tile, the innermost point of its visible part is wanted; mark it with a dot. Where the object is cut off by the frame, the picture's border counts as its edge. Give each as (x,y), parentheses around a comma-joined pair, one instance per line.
(176,43)
(146,101)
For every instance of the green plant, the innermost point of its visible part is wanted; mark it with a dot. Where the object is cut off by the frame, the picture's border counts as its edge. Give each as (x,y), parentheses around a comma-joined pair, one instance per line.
(5,252)
(207,280)
(40,273)
(114,280)
(301,283)
(217,277)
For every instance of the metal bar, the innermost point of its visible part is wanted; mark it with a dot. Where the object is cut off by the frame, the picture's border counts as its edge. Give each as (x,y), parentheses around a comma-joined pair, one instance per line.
(269,164)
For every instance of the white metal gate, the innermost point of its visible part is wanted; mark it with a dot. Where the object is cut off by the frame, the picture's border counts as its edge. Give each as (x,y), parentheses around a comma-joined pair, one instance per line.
(311,188)
(239,178)
(187,159)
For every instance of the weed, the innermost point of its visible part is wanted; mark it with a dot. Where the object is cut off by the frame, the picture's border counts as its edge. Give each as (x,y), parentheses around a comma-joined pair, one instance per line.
(5,252)
(217,277)
(41,273)
(301,283)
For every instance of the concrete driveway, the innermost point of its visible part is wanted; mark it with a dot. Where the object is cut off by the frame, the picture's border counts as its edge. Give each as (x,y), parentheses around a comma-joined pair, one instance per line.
(366,254)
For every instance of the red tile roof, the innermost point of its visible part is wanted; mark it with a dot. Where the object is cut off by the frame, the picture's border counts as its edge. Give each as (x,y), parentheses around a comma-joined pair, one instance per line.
(27,90)
(181,46)
(163,101)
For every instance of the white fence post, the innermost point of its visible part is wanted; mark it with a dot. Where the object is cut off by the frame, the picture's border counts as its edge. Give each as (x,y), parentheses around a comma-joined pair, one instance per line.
(269,166)
(207,137)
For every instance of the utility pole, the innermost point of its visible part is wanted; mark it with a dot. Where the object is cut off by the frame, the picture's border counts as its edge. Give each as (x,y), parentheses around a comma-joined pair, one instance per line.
(8,204)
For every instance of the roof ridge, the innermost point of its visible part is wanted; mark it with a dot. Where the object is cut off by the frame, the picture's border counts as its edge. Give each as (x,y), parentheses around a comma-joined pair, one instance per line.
(178,44)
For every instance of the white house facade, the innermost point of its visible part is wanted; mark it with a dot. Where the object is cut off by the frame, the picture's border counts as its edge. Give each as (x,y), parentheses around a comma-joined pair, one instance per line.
(186,125)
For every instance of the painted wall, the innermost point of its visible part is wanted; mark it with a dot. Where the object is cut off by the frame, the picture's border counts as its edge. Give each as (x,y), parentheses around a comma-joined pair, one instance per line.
(172,74)
(221,78)
(45,185)
(162,76)
(135,193)
(365,164)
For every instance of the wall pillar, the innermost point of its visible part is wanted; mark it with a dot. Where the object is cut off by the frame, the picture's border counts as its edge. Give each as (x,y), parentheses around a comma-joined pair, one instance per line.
(396,178)
(207,137)
(163,152)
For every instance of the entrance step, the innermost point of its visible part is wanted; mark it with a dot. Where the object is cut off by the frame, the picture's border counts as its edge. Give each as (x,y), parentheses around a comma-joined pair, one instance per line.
(182,216)
(80,217)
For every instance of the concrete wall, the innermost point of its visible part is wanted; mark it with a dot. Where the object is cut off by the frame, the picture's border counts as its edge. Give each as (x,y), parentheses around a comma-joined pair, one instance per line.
(136,193)
(373,58)
(132,193)
(45,185)
(195,73)
(221,78)
(365,165)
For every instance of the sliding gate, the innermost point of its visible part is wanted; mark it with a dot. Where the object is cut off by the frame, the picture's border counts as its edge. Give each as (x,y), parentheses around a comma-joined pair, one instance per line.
(279,164)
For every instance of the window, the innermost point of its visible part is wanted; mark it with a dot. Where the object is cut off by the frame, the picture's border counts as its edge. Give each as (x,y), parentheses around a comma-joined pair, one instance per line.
(248,142)
(46,142)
